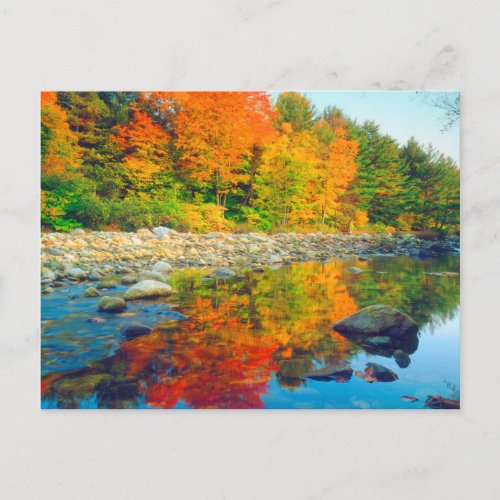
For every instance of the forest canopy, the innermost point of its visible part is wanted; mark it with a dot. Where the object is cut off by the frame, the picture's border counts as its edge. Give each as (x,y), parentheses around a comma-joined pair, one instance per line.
(203,161)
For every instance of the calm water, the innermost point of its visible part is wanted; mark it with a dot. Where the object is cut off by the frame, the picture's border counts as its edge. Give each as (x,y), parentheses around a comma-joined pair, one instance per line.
(249,341)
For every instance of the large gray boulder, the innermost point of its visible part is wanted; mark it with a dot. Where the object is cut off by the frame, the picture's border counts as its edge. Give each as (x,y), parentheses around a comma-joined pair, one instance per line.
(148,289)
(377,320)
(111,304)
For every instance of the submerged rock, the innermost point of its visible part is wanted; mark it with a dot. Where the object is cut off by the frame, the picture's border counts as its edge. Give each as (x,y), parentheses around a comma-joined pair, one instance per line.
(377,320)
(135,330)
(111,304)
(148,289)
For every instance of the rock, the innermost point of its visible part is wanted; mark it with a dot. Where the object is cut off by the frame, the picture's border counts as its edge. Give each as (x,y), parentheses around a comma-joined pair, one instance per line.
(95,275)
(212,236)
(78,232)
(76,273)
(148,289)
(442,403)
(377,373)
(135,330)
(162,267)
(341,372)
(107,282)
(363,259)
(150,275)
(355,270)
(163,231)
(377,320)
(402,358)
(91,292)
(48,274)
(111,304)
(47,290)
(224,272)
(128,280)
(275,259)
(144,233)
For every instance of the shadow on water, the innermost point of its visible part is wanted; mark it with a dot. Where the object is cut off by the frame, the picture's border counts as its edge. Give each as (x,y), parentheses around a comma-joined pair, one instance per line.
(256,340)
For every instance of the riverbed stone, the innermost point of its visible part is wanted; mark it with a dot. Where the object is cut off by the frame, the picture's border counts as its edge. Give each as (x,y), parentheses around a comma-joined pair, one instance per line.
(148,289)
(111,304)
(162,267)
(91,292)
(76,273)
(150,275)
(377,320)
(128,280)
(95,275)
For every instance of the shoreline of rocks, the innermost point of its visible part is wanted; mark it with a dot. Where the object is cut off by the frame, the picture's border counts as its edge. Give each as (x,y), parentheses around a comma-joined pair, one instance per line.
(91,255)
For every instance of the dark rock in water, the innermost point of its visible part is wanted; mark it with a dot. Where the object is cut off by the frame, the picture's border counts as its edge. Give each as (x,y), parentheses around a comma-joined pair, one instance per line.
(363,259)
(341,372)
(377,373)
(438,402)
(135,330)
(377,320)
(111,304)
(402,358)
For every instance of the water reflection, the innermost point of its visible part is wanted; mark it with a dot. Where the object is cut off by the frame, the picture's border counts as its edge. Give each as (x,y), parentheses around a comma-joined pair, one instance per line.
(250,340)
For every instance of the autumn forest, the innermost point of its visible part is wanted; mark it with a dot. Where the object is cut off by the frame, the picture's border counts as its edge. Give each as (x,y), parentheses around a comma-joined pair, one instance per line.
(233,161)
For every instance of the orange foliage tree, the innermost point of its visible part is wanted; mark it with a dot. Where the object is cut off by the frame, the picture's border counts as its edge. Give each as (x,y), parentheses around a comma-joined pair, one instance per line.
(145,148)
(215,131)
(59,146)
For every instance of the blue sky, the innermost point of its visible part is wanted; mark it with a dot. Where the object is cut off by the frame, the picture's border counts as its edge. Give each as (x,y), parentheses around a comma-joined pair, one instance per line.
(399,114)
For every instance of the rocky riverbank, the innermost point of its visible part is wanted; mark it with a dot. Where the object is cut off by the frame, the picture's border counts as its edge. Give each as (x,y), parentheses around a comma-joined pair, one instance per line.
(90,255)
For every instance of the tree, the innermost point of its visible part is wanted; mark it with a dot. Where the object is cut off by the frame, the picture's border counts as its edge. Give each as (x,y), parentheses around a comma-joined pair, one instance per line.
(295,109)
(287,164)
(335,169)
(59,149)
(380,184)
(145,148)
(214,132)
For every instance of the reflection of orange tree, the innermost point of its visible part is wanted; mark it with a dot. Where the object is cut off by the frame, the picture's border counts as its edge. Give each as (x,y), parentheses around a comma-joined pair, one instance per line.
(215,361)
